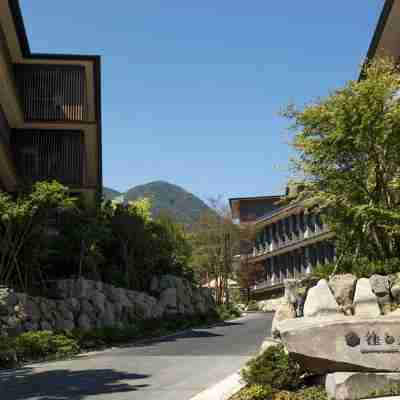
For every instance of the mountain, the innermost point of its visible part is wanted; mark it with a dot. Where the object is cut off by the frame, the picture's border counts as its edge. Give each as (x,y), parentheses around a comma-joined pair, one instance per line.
(185,207)
(110,194)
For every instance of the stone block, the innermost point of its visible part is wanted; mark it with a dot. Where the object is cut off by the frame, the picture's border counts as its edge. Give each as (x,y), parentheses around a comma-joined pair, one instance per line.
(285,311)
(320,301)
(291,290)
(381,287)
(358,385)
(365,302)
(347,344)
(343,287)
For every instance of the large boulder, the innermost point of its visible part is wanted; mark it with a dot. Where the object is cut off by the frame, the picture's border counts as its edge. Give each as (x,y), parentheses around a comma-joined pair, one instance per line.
(291,290)
(168,300)
(395,288)
(270,305)
(347,344)
(285,311)
(320,301)
(381,287)
(358,385)
(84,322)
(8,299)
(343,287)
(365,302)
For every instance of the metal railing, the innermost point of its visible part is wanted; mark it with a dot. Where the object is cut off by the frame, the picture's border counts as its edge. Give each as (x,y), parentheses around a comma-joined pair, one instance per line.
(289,240)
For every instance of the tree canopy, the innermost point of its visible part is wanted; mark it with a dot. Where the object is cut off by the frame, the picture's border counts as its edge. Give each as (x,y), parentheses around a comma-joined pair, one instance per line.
(348,147)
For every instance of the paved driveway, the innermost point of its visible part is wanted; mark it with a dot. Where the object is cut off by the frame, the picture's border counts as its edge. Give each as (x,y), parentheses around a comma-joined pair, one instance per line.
(176,368)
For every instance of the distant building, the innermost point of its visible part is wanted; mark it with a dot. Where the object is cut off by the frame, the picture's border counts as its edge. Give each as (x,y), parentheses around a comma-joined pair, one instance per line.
(290,240)
(50,113)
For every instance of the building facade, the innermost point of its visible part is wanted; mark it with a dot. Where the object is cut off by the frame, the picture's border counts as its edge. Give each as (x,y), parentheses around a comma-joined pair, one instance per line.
(50,113)
(289,241)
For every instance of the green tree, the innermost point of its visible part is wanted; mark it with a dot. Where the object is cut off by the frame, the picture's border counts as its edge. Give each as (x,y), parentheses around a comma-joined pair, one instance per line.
(349,162)
(24,229)
(215,241)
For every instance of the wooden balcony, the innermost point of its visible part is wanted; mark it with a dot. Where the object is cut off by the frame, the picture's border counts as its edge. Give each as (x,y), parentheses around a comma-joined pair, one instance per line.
(45,155)
(53,92)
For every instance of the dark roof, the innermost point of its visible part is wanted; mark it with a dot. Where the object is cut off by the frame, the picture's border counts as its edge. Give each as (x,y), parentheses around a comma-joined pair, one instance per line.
(276,197)
(387,8)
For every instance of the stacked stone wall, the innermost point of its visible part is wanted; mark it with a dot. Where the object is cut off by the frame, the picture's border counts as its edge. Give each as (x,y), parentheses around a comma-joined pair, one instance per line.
(85,304)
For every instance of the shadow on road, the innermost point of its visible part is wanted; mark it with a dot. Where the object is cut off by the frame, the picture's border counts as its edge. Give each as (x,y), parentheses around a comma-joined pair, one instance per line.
(65,384)
(196,333)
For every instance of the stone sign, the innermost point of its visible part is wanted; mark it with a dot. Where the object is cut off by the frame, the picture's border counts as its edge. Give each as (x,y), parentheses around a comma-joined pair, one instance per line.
(344,344)
(374,341)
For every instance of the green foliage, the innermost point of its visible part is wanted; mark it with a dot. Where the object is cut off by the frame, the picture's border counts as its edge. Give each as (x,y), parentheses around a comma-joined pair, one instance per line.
(8,355)
(389,390)
(44,344)
(361,268)
(226,312)
(349,162)
(24,222)
(215,239)
(310,393)
(273,369)
(254,392)
(252,306)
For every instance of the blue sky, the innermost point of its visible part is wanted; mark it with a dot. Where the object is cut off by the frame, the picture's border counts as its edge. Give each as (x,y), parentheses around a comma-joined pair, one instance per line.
(192,89)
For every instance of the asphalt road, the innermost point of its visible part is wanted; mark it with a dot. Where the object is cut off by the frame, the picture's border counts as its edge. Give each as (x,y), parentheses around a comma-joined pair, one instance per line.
(176,368)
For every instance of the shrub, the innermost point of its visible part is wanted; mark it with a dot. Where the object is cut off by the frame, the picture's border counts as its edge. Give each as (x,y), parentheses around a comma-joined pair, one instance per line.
(273,368)
(310,393)
(226,312)
(252,306)
(254,392)
(40,345)
(361,268)
(8,355)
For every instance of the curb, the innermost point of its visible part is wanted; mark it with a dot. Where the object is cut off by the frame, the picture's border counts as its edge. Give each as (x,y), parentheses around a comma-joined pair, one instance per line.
(223,390)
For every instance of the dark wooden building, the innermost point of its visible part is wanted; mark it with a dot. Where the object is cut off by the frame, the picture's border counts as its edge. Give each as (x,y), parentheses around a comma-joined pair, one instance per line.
(50,113)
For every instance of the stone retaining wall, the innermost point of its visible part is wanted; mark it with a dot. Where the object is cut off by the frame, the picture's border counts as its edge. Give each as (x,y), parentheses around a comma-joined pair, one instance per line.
(70,304)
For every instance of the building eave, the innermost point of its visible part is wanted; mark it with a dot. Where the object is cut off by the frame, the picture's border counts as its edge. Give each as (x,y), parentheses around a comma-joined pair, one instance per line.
(380,28)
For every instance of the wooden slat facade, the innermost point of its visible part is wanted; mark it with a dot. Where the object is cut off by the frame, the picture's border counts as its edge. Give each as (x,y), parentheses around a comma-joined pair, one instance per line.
(53,92)
(45,155)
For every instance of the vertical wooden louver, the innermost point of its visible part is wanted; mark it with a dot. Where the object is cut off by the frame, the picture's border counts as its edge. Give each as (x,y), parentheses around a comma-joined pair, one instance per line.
(45,155)
(53,92)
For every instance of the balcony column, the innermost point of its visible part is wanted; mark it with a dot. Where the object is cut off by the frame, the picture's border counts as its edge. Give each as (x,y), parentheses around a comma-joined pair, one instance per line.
(274,244)
(307,261)
(273,275)
(291,229)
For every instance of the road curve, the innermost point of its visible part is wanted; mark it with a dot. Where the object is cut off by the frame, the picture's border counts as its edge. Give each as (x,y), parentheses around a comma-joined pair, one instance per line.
(176,368)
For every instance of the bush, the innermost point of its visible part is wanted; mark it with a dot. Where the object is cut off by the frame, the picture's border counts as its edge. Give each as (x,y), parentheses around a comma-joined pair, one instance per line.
(273,369)
(41,345)
(361,268)
(8,355)
(254,392)
(310,393)
(252,306)
(226,312)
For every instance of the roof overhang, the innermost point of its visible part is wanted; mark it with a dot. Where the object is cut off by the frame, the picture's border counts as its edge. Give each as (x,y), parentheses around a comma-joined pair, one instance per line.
(386,39)
(234,203)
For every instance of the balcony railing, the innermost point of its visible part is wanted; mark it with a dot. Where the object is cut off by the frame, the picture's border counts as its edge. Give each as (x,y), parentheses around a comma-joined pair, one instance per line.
(278,281)
(53,92)
(288,240)
(46,155)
